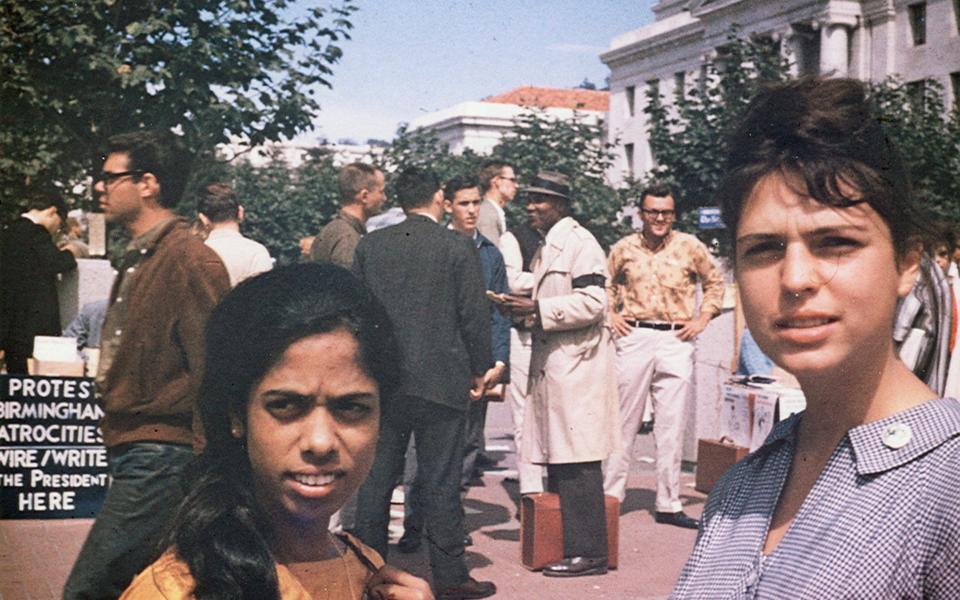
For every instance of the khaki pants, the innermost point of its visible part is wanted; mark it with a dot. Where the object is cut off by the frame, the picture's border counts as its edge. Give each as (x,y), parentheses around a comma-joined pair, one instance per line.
(653,365)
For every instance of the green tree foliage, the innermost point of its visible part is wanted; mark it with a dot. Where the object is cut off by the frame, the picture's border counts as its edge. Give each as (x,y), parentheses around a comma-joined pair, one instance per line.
(687,134)
(74,73)
(283,204)
(929,140)
(420,148)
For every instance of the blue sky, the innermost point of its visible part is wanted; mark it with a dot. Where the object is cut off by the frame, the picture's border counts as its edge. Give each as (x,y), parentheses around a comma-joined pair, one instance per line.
(408,57)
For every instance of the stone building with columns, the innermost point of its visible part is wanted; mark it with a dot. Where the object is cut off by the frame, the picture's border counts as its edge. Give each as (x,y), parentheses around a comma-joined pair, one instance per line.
(867,39)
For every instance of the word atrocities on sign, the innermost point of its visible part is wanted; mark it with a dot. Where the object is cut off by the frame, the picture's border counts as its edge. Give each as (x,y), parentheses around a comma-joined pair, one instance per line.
(52,461)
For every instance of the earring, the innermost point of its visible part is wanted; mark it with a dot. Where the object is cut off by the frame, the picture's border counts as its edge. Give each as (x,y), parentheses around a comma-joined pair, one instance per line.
(236,431)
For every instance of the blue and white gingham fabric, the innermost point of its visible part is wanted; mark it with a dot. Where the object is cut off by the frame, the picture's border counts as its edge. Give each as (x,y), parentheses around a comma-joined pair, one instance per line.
(882,521)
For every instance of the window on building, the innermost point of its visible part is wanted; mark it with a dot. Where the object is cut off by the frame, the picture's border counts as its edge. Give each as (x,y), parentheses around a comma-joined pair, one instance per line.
(702,80)
(628,152)
(955,89)
(918,23)
(956,14)
(680,84)
(653,88)
(631,99)
(917,92)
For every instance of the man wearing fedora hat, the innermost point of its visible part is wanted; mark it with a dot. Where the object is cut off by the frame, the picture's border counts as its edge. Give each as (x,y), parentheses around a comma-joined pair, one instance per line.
(570,420)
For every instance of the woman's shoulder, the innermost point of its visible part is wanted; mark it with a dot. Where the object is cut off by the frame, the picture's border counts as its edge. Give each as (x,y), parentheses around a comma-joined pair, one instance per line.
(168,578)
(364,553)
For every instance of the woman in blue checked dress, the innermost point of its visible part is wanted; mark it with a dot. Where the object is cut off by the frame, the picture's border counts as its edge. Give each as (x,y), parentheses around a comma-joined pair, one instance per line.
(859,495)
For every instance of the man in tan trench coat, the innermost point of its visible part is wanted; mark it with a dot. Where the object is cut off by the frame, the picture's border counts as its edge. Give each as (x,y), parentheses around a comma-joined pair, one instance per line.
(570,423)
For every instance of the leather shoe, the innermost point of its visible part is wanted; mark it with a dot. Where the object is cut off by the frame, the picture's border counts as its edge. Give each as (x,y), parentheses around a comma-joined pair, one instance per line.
(409,543)
(576,566)
(471,588)
(679,519)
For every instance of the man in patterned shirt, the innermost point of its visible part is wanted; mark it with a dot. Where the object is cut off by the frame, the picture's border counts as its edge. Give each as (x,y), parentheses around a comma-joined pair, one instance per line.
(652,292)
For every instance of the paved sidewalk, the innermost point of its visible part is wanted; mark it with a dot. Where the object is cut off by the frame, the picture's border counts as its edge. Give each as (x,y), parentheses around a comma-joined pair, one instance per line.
(35,556)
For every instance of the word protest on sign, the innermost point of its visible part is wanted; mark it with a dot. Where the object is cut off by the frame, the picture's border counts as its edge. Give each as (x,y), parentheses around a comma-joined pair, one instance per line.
(708,217)
(53,464)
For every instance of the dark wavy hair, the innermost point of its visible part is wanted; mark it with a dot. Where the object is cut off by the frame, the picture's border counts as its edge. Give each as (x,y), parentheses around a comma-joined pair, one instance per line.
(220,531)
(828,133)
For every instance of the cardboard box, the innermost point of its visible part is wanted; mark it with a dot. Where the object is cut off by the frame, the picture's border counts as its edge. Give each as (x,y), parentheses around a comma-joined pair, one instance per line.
(51,368)
(541,530)
(714,457)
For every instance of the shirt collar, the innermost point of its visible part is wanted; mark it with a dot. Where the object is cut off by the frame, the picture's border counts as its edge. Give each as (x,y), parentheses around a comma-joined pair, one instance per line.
(223,233)
(900,438)
(425,215)
(354,222)
(146,242)
(890,442)
(31,218)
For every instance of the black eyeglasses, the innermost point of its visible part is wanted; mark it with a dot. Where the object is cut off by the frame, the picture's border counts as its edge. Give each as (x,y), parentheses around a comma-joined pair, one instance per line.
(108,178)
(666,214)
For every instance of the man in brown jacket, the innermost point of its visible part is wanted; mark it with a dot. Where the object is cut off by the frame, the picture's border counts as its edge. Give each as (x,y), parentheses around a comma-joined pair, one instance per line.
(151,358)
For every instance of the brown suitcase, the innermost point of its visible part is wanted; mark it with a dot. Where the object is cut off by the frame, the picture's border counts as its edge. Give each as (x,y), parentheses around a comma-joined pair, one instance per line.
(714,457)
(541,530)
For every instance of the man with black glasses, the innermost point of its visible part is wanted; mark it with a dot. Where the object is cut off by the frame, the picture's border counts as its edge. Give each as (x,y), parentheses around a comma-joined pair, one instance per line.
(151,358)
(652,301)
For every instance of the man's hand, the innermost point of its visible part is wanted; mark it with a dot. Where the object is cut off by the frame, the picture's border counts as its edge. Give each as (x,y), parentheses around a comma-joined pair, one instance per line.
(493,375)
(391,583)
(519,306)
(619,325)
(693,327)
(477,387)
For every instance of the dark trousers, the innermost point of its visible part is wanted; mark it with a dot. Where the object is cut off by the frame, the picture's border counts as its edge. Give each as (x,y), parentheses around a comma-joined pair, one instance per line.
(145,492)
(473,446)
(580,487)
(438,436)
(474,443)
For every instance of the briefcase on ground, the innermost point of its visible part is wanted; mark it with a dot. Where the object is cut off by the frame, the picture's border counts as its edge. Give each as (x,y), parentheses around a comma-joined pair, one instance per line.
(541,530)
(714,457)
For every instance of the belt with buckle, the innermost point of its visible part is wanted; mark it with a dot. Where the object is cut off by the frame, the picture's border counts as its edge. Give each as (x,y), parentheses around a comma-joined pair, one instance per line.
(654,325)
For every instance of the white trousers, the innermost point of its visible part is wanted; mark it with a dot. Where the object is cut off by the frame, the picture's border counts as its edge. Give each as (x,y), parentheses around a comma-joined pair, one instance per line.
(652,365)
(530,475)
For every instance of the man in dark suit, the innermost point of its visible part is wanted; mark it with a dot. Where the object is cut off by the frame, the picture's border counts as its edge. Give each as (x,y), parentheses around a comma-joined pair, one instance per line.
(29,265)
(430,281)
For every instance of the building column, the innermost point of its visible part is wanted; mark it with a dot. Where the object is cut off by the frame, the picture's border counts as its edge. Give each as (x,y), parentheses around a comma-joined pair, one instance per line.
(834,49)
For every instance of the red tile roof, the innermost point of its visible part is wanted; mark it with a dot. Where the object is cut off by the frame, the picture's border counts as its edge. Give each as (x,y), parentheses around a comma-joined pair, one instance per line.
(576,98)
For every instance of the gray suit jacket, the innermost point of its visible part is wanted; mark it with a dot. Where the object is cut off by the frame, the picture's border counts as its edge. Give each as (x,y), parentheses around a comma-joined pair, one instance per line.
(430,281)
(488,222)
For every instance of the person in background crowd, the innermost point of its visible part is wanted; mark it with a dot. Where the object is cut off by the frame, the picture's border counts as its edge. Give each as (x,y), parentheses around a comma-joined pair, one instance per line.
(151,357)
(519,245)
(430,281)
(653,292)
(29,266)
(922,328)
(73,239)
(221,215)
(88,323)
(498,183)
(461,200)
(361,196)
(571,415)
(297,360)
(855,497)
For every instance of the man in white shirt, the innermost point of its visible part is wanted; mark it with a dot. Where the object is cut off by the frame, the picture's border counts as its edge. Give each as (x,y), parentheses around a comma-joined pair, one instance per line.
(498,183)
(221,214)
